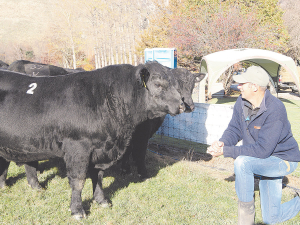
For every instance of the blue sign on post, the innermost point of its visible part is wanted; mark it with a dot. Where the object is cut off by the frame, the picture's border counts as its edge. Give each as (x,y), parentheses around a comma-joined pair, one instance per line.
(165,56)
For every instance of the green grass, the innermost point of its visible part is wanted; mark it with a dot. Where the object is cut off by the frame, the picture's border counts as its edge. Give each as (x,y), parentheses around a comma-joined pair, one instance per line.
(293,112)
(179,192)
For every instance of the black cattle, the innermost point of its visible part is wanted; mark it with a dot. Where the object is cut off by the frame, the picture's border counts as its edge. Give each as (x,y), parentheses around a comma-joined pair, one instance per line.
(86,118)
(3,65)
(74,70)
(36,69)
(184,82)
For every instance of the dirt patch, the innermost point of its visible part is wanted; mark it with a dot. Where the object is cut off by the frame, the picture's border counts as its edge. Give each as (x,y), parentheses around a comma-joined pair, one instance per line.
(177,153)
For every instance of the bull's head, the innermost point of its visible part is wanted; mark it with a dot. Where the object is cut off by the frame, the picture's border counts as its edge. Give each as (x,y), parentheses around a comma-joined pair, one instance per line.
(162,96)
(184,81)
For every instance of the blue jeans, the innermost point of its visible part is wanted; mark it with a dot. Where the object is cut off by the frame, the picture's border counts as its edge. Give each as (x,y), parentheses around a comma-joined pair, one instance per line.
(271,171)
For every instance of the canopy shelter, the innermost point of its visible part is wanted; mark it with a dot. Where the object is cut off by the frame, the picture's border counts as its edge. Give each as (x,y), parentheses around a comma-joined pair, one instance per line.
(217,63)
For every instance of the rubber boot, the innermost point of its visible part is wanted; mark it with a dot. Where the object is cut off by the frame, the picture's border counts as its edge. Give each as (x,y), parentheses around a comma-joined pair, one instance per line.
(246,213)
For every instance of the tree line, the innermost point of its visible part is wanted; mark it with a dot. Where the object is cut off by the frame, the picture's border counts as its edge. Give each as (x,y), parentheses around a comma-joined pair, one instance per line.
(200,27)
(96,33)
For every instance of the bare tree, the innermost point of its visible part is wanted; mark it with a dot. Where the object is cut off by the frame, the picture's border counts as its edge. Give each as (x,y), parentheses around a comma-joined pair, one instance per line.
(66,32)
(116,26)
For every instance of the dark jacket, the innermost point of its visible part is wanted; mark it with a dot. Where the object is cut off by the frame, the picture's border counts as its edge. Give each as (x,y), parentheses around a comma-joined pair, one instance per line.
(267,134)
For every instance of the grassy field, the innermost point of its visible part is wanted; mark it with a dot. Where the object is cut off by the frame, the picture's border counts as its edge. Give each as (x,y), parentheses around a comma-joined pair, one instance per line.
(178,192)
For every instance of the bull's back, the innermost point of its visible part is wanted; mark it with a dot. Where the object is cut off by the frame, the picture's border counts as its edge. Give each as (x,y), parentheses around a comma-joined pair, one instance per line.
(37,113)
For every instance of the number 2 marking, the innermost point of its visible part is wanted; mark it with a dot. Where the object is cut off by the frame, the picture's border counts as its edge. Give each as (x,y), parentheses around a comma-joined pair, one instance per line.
(32,87)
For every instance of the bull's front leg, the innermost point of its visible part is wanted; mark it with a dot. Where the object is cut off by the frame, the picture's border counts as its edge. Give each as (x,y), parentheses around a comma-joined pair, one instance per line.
(76,207)
(3,171)
(97,177)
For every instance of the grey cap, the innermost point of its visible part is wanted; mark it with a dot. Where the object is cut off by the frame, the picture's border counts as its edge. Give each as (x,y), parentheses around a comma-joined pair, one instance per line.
(255,75)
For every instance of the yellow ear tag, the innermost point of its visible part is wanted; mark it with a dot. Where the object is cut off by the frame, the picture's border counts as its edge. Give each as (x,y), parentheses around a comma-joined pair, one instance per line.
(144,84)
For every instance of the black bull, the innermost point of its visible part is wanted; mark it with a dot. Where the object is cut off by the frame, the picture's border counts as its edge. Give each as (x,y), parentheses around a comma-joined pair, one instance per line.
(85,118)
(184,82)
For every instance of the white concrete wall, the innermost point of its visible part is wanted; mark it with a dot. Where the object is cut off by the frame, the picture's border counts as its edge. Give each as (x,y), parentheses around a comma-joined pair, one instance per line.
(204,125)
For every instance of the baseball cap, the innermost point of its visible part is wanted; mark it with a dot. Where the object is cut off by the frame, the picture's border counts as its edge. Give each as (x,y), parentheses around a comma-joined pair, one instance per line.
(255,75)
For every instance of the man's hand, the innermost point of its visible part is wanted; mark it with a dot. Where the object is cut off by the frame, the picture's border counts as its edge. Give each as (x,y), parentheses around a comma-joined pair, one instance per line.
(216,148)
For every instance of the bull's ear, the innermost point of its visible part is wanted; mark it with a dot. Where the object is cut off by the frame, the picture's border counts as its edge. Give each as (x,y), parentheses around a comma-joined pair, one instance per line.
(142,74)
(199,76)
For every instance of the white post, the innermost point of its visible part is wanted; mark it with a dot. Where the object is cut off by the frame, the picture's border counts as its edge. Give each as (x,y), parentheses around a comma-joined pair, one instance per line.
(202,97)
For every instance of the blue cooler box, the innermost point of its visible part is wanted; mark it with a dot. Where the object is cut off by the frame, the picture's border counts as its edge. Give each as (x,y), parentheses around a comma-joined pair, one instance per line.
(165,56)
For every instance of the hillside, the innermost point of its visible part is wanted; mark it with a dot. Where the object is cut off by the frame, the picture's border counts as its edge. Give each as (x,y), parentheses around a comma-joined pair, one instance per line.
(25,21)
(56,30)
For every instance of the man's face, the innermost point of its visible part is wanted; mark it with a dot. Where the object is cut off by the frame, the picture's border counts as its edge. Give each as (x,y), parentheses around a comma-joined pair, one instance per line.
(246,90)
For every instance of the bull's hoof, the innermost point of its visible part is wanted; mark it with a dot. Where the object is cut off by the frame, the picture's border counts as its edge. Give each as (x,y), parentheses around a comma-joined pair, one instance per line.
(104,203)
(2,183)
(37,187)
(79,216)
(143,177)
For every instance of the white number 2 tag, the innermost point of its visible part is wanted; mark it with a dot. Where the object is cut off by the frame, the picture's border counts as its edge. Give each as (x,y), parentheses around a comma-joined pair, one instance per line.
(32,87)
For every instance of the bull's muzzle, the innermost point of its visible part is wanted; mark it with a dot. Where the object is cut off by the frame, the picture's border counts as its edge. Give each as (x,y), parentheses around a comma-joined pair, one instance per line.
(182,107)
(189,107)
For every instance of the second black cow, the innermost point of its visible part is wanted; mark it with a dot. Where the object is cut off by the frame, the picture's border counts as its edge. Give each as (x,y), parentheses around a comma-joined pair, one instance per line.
(184,81)
(36,69)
